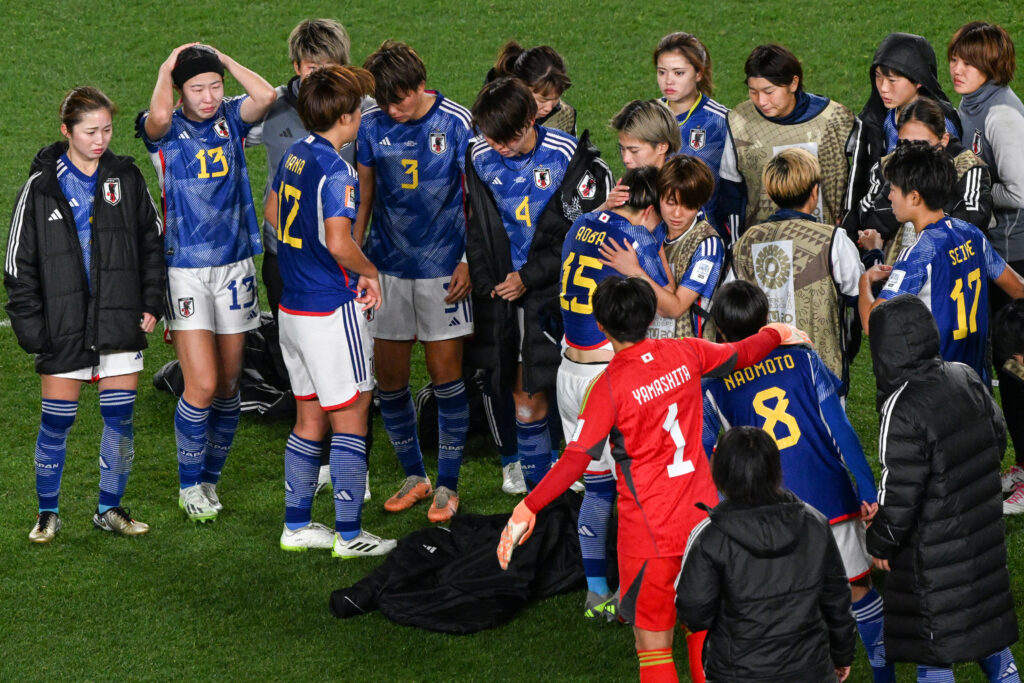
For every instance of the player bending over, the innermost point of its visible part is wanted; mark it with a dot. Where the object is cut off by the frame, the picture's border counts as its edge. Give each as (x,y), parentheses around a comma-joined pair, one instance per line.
(330,289)
(647,401)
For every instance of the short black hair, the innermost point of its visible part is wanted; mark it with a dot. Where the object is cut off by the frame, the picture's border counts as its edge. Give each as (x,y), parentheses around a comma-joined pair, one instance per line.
(1008,331)
(746,467)
(503,109)
(916,166)
(740,310)
(625,307)
(775,64)
(397,72)
(643,188)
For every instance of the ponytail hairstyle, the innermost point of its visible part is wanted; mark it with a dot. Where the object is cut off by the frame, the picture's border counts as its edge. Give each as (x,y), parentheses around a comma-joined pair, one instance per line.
(541,68)
(690,47)
(80,101)
(927,112)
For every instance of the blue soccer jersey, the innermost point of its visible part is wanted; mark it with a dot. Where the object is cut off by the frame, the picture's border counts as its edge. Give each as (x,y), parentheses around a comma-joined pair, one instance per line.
(792,396)
(702,275)
(949,268)
(705,134)
(204,185)
(582,270)
(79,189)
(419,221)
(522,186)
(313,183)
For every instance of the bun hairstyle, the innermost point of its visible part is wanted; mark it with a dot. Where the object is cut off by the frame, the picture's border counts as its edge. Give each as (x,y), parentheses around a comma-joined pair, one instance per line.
(82,100)
(541,68)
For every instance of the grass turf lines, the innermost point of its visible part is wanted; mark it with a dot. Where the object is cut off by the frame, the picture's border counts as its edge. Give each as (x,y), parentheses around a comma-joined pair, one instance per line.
(221,600)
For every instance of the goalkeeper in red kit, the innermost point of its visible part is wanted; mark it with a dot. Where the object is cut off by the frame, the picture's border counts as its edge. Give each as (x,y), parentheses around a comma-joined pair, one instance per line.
(647,402)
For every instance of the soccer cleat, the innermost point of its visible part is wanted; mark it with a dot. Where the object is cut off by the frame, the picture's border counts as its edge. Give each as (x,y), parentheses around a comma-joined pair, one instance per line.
(1012,477)
(413,491)
(512,481)
(445,505)
(46,527)
(599,606)
(313,535)
(119,520)
(196,506)
(323,480)
(363,545)
(1014,505)
(210,491)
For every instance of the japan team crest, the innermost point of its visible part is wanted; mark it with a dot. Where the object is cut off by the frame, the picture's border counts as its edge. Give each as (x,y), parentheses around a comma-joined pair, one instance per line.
(112,191)
(976,142)
(542,178)
(186,306)
(698,137)
(221,128)
(438,143)
(587,187)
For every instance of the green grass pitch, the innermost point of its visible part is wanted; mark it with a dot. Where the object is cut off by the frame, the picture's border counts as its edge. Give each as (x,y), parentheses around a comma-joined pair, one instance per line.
(222,600)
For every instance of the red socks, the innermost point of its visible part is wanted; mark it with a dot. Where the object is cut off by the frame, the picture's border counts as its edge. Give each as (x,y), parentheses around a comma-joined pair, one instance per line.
(694,650)
(656,666)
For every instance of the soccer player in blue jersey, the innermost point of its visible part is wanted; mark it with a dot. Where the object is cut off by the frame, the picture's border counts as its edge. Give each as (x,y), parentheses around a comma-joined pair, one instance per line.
(411,154)
(683,66)
(587,352)
(526,184)
(794,397)
(211,238)
(950,265)
(330,290)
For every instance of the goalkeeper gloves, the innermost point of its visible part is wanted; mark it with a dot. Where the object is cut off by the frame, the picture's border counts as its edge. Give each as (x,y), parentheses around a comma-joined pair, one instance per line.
(516,531)
(790,334)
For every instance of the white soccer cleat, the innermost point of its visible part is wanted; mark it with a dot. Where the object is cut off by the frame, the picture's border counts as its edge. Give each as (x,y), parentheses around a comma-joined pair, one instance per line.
(512,481)
(1012,477)
(195,504)
(210,491)
(323,480)
(1014,505)
(363,545)
(313,535)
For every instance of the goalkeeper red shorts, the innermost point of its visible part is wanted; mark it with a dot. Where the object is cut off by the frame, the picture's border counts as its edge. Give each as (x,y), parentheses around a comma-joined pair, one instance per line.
(648,591)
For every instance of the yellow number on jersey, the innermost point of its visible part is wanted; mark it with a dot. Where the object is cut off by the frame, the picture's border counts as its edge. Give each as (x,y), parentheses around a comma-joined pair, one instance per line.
(412,168)
(773,416)
(523,211)
(285,193)
(580,280)
(216,156)
(963,324)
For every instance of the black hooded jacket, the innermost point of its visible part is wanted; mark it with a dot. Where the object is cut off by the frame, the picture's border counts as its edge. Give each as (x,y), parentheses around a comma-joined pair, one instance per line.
(940,517)
(769,585)
(53,313)
(913,56)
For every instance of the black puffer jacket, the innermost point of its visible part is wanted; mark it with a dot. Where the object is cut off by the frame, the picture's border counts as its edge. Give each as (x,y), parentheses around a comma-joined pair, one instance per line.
(769,585)
(495,343)
(50,306)
(940,517)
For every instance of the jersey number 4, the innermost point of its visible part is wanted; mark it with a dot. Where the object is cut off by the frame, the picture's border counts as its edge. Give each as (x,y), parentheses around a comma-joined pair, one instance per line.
(286,193)
(963,325)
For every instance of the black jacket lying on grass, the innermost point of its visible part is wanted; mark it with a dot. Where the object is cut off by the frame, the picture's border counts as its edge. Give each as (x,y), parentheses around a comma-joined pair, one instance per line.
(449,580)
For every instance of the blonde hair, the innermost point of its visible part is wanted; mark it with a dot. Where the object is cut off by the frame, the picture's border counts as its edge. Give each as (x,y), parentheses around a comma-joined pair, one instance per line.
(650,121)
(790,177)
(319,40)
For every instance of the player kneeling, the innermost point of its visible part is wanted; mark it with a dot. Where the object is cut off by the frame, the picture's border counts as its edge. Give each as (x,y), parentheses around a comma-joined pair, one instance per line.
(647,403)
(324,338)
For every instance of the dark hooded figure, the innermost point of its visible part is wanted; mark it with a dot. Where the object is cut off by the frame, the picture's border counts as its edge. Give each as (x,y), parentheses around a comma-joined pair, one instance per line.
(939,527)
(899,56)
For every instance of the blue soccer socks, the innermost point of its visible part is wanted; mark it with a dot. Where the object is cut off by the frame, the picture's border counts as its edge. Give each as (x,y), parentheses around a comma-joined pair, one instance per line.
(595,512)
(51,450)
(348,474)
(534,450)
(869,613)
(452,427)
(190,435)
(117,445)
(399,415)
(301,470)
(1000,667)
(220,432)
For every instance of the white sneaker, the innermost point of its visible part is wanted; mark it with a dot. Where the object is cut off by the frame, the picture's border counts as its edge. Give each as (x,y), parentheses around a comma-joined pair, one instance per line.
(196,506)
(512,481)
(313,535)
(1012,477)
(323,480)
(366,491)
(210,491)
(363,545)
(1014,505)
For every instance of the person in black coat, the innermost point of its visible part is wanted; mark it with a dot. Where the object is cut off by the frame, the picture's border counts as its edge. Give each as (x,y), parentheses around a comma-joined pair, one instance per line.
(764,576)
(939,528)
(84,274)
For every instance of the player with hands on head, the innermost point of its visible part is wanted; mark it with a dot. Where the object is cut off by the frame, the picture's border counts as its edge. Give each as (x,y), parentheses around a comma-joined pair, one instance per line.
(330,291)
(211,238)
(85,285)
(411,156)
(647,402)
(794,397)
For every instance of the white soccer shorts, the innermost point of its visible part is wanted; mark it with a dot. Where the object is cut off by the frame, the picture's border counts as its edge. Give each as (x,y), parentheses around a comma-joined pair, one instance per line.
(222,299)
(415,309)
(570,389)
(329,356)
(112,364)
(850,536)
